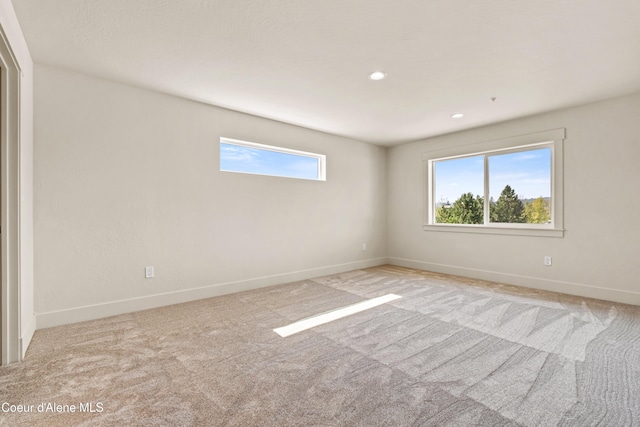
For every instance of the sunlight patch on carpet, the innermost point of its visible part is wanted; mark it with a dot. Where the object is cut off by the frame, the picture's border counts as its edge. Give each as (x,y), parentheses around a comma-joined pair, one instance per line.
(339,313)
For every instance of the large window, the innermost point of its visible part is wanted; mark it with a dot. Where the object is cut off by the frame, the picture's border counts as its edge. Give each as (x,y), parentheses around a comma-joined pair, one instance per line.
(260,159)
(511,186)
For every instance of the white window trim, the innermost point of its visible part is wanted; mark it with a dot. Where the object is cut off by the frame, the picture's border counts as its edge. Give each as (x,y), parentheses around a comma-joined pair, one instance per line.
(552,138)
(322,159)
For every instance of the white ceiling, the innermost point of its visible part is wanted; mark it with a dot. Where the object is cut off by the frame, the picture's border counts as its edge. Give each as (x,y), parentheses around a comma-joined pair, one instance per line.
(306,62)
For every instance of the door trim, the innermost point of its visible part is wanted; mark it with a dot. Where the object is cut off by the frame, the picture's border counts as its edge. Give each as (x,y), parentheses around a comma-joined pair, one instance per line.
(10,121)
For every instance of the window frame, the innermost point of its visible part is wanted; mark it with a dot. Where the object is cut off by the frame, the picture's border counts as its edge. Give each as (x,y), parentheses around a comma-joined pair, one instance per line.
(553,139)
(321,158)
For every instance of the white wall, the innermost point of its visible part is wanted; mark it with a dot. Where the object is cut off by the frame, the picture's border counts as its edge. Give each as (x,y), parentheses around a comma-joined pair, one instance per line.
(127,178)
(597,257)
(15,39)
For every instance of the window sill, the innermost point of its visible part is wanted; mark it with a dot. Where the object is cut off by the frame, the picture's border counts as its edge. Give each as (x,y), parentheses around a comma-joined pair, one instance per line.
(514,231)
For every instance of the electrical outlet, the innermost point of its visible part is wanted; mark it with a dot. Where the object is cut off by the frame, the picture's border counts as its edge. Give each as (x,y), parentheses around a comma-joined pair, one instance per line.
(364,246)
(547,261)
(148,272)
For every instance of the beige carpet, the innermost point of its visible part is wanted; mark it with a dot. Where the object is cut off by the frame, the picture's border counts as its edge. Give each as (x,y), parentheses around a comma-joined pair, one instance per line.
(452,351)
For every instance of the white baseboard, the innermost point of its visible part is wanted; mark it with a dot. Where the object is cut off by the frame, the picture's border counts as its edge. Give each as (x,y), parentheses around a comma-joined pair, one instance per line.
(27,334)
(570,288)
(97,311)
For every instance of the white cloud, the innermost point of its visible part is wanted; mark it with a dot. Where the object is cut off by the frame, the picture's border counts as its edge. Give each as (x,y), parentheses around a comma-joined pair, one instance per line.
(525,156)
(235,153)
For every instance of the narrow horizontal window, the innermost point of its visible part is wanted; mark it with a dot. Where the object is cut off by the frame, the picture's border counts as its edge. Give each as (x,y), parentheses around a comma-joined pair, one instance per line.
(506,189)
(260,159)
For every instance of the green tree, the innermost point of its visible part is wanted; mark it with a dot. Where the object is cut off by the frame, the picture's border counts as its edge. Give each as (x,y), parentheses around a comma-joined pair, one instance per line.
(537,212)
(509,208)
(466,210)
(443,212)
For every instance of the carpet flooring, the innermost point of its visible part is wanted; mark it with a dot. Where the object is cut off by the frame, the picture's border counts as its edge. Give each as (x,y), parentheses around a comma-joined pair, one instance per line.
(451,352)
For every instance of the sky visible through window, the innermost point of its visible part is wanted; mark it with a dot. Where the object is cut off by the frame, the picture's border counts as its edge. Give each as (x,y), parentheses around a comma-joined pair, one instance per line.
(236,158)
(527,172)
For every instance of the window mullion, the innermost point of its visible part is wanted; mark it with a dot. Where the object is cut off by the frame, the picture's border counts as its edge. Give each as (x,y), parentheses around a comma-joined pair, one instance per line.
(486,190)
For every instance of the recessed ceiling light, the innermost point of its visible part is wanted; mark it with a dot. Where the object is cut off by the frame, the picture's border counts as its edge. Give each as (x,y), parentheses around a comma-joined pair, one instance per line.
(377,75)
(457,115)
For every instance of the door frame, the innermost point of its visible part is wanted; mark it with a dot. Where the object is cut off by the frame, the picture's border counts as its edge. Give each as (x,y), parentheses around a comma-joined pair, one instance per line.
(10,121)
